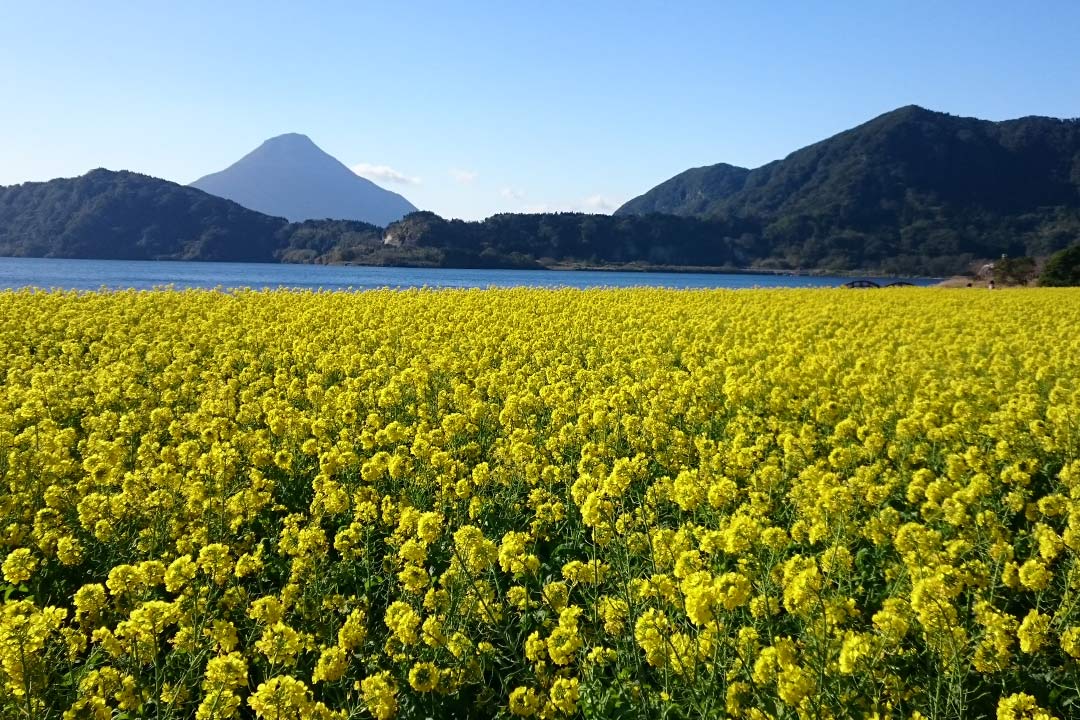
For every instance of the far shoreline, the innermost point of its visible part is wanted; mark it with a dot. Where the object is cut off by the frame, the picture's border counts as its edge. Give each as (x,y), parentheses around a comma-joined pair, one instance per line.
(649,268)
(557,267)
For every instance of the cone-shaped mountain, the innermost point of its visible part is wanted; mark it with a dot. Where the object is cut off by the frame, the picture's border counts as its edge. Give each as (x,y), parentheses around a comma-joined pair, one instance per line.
(290,176)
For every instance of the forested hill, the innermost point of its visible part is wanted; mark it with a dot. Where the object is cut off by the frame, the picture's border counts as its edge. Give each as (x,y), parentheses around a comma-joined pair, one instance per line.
(911,183)
(911,192)
(692,192)
(124,215)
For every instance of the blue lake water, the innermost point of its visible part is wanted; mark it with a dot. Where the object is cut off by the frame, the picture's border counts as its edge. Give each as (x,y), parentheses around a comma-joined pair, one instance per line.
(119,274)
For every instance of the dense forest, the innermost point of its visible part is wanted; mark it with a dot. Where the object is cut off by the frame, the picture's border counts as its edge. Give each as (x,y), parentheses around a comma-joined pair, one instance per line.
(911,192)
(1062,269)
(124,215)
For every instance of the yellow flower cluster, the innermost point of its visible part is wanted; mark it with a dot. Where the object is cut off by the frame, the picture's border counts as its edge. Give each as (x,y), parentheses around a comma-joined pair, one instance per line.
(540,503)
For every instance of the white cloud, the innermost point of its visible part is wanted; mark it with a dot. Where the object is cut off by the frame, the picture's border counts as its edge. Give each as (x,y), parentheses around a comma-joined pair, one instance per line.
(512,193)
(465,177)
(383,173)
(598,204)
(592,204)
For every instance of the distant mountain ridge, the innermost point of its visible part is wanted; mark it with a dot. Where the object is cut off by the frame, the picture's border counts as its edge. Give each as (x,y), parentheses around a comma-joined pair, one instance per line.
(911,192)
(128,216)
(291,177)
(1009,166)
(909,184)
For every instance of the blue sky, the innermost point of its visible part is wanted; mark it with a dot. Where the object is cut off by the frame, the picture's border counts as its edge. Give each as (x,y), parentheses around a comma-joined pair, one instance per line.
(504,106)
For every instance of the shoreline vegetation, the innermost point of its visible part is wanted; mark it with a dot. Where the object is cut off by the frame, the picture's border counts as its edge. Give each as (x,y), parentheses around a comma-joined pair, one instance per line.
(639,267)
(911,193)
(126,216)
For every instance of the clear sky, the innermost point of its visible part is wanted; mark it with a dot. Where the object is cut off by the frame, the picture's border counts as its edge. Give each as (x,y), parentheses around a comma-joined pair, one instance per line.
(474,108)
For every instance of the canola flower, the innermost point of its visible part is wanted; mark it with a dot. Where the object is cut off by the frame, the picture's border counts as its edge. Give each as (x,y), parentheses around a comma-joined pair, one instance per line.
(540,503)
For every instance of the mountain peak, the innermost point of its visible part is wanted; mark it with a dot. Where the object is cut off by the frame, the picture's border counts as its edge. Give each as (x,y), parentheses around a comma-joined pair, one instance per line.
(290,137)
(290,148)
(290,176)
(913,110)
(909,113)
(290,140)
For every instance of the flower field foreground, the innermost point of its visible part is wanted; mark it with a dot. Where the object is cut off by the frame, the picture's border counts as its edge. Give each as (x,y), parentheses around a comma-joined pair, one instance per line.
(603,503)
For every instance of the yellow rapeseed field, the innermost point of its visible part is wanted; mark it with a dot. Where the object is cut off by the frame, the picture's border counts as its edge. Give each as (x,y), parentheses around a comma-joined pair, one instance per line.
(549,503)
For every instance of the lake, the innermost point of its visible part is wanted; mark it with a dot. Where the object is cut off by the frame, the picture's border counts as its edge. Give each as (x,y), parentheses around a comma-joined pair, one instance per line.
(139,274)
